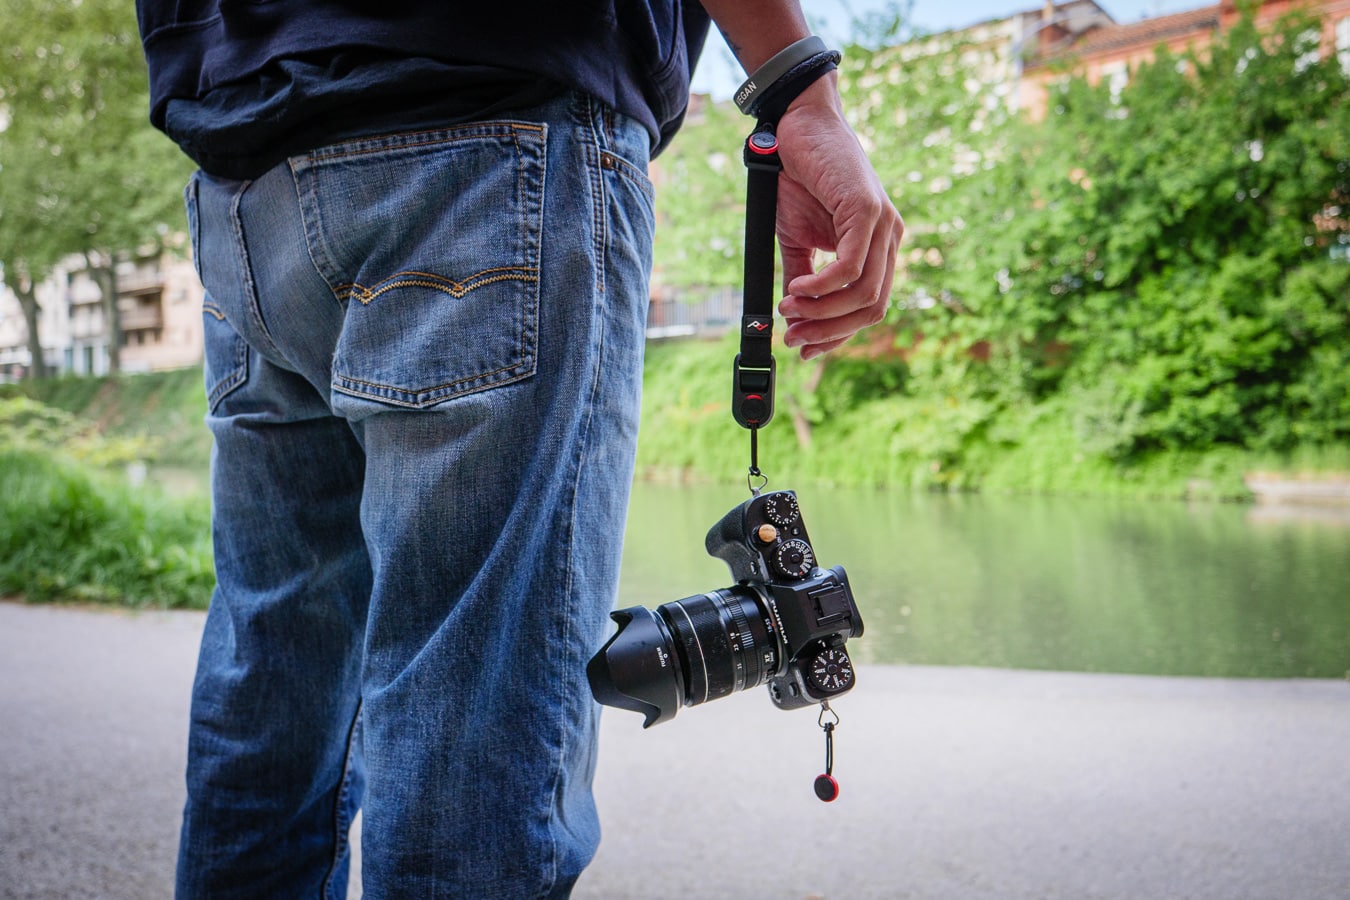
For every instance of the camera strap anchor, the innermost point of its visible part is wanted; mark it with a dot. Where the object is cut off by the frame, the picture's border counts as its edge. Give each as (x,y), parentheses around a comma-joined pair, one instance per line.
(756,479)
(827,789)
(753,371)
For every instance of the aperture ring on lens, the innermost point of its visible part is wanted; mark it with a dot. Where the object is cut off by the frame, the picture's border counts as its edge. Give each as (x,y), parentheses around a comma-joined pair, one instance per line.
(742,643)
(726,641)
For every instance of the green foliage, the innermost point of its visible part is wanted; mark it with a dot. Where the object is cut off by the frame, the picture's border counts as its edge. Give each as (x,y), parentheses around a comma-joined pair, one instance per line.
(82,167)
(29,425)
(68,534)
(154,416)
(700,209)
(1162,261)
(71,527)
(1142,293)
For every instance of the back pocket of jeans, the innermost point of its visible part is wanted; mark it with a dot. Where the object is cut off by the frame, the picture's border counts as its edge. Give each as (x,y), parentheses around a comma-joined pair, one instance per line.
(432,242)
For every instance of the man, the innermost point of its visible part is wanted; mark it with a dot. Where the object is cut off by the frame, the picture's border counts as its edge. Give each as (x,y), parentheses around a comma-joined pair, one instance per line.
(425,235)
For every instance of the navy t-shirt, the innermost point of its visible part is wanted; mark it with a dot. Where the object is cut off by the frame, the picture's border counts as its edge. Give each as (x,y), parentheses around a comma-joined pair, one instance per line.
(242,84)
(242,129)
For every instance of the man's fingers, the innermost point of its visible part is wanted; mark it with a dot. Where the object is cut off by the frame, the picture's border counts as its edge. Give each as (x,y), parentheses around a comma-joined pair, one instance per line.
(845,269)
(818,325)
(866,290)
(797,263)
(830,333)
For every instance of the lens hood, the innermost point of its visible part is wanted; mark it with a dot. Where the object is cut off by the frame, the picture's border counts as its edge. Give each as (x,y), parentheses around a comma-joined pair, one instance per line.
(635,669)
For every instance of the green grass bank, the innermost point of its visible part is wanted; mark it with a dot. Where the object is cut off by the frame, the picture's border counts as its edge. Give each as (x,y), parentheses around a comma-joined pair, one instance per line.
(859,421)
(71,531)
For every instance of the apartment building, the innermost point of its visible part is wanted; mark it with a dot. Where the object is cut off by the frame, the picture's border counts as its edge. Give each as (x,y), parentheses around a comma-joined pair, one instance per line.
(159,304)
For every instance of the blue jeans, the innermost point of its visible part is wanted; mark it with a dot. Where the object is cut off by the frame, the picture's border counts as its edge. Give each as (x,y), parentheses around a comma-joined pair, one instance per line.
(423,364)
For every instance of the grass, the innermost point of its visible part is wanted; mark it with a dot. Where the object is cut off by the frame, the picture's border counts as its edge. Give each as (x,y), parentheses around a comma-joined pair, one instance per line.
(162,412)
(884,437)
(73,533)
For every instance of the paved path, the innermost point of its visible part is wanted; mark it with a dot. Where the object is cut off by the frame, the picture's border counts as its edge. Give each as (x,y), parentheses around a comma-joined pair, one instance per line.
(956,783)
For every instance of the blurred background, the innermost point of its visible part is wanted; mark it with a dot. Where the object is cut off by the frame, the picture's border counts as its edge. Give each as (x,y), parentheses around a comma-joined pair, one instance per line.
(1104,428)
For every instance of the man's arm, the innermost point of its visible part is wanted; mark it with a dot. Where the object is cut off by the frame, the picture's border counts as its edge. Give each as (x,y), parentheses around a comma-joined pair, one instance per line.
(829,197)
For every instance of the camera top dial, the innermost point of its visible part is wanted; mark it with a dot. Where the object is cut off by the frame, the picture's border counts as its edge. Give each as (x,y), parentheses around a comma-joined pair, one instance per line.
(794,559)
(781,509)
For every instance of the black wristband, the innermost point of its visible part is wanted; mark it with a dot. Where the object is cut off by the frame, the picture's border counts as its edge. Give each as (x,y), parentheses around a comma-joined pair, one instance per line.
(775,68)
(771,102)
(781,80)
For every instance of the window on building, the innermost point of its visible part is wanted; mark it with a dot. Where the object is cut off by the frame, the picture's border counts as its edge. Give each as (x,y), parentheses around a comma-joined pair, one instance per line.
(1116,75)
(1343,43)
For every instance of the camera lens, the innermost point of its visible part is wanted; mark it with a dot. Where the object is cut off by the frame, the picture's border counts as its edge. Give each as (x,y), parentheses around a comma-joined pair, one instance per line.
(687,652)
(726,641)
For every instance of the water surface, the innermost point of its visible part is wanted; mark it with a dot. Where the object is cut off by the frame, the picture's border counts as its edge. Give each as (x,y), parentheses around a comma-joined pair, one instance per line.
(1045,583)
(1067,584)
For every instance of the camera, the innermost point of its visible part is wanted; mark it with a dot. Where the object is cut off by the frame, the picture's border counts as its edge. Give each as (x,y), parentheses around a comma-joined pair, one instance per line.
(784,623)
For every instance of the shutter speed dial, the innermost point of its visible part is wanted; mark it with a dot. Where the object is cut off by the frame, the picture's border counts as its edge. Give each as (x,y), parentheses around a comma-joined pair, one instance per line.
(793,559)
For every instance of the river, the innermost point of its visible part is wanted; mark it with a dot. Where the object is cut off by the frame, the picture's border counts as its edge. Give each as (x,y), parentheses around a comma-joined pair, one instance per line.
(1067,584)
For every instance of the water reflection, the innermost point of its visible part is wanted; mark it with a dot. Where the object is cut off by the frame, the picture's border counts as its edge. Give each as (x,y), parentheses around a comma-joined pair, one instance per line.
(1044,583)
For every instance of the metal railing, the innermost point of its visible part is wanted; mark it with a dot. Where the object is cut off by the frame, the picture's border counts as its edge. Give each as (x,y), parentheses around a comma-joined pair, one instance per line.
(707,313)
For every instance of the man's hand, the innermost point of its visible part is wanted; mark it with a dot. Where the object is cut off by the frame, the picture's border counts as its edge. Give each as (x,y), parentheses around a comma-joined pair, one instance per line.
(830,199)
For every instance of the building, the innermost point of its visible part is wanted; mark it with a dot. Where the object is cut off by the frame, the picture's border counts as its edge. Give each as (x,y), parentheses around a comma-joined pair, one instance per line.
(159,302)
(1110,52)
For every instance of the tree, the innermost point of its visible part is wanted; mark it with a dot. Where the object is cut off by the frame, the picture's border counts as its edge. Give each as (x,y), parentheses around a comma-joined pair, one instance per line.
(83,170)
(1158,264)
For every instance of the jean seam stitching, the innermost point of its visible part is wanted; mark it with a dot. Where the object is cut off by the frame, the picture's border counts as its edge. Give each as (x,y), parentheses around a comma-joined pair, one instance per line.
(594,155)
(311,219)
(389,143)
(238,372)
(434,388)
(341,835)
(246,268)
(578,464)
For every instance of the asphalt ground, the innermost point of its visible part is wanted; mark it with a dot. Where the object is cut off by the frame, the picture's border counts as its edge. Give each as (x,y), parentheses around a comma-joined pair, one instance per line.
(955,783)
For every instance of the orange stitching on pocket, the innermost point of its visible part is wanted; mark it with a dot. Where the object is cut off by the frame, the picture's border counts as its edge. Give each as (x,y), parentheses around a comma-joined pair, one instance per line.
(456,289)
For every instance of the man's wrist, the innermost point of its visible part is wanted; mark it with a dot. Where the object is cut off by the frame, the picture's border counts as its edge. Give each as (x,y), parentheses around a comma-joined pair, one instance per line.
(822,95)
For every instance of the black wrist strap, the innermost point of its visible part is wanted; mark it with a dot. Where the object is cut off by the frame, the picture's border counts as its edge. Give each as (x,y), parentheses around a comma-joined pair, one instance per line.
(775,68)
(771,102)
(753,371)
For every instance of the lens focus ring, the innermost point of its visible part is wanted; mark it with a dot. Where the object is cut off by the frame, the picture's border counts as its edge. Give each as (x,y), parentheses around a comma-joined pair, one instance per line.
(725,641)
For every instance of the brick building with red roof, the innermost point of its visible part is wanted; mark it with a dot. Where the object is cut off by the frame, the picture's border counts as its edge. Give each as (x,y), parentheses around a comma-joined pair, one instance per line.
(1111,52)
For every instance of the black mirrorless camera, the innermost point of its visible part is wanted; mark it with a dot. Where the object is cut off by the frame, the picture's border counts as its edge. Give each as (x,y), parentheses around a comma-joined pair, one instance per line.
(784,622)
